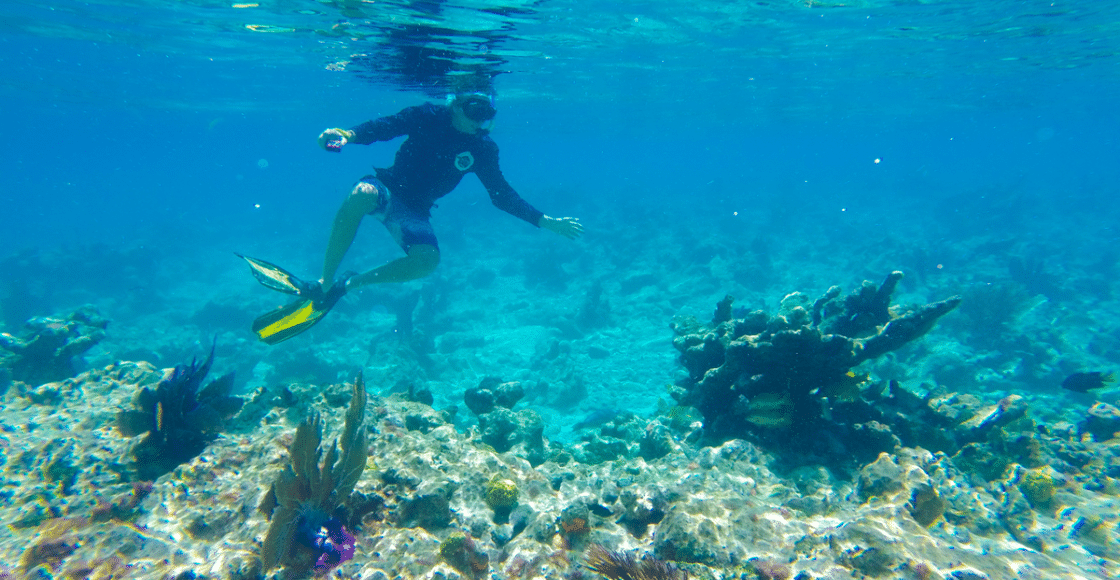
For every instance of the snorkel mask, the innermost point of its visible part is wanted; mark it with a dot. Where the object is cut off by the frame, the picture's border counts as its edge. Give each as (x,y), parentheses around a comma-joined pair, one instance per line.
(478,107)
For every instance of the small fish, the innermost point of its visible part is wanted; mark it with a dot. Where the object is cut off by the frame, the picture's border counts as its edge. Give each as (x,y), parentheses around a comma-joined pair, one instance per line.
(1085,382)
(847,388)
(773,410)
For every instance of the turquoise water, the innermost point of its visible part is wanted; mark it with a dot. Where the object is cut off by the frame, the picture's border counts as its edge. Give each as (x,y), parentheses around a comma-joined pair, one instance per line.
(149,141)
(752,149)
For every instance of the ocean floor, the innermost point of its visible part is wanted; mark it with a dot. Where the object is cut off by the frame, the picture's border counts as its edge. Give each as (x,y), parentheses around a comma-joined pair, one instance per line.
(978,464)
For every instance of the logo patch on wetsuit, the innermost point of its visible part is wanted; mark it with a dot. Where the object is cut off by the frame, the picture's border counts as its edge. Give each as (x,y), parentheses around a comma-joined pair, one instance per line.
(464,161)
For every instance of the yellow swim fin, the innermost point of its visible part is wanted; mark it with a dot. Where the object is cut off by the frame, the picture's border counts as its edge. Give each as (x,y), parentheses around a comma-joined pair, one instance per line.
(313,303)
(288,321)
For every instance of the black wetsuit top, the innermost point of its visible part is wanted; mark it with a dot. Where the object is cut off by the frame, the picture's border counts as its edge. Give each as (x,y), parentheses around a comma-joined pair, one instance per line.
(432,161)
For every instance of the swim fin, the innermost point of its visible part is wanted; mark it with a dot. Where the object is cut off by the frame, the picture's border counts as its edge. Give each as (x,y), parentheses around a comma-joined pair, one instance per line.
(311,306)
(288,321)
(275,277)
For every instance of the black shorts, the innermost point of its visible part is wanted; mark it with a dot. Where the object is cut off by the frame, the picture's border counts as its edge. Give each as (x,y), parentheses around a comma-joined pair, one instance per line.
(408,226)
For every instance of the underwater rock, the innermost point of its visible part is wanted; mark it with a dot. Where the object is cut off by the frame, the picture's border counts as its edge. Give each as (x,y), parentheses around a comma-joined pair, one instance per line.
(502,429)
(200,519)
(881,477)
(981,460)
(642,510)
(623,436)
(48,346)
(500,426)
(657,441)
(491,393)
(1007,410)
(698,538)
(1102,421)
(599,448)
(428,506)
(595,310)
(462,553)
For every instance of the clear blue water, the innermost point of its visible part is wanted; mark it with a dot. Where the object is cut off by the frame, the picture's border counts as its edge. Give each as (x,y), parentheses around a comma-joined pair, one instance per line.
(125,114)
(709,147)
(150,140)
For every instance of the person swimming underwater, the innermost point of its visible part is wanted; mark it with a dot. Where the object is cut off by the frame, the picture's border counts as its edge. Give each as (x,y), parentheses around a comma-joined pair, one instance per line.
(443,144)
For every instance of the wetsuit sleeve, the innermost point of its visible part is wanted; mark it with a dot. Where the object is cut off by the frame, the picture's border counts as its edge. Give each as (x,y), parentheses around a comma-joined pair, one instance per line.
(502,194)
(390,127)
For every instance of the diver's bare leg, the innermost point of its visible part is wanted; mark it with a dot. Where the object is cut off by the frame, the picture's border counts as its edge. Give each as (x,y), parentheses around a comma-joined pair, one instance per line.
(361,201)
(421,260)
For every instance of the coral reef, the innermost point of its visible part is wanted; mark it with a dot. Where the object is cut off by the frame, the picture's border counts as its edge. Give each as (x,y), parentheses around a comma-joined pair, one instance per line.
(716,512)
(503,428)
(47,349)
(771,375)
(462,553)
(179,418)
(306,504)
(1102,422)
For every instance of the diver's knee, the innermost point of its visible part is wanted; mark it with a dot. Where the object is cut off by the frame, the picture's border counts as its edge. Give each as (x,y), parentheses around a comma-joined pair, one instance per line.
(425,257)
(363,198)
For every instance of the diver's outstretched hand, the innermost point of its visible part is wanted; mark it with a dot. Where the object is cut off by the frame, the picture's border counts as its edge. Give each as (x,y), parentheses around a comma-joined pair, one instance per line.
(338,136)
(569,227)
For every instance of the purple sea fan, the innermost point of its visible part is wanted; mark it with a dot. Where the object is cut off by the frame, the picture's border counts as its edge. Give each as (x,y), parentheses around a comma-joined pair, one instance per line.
(327,538)
(179,416)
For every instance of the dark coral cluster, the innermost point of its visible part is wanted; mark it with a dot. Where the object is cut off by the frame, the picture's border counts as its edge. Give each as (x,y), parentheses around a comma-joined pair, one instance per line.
(179,416)
(307,503)
(503,428)
(779,374)
(47,349)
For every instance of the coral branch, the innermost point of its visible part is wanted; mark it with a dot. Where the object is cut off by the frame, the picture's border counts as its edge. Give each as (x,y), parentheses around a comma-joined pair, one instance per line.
(306,533)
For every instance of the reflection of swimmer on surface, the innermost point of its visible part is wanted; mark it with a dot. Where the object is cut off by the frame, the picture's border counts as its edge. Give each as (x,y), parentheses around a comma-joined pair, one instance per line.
(445,142)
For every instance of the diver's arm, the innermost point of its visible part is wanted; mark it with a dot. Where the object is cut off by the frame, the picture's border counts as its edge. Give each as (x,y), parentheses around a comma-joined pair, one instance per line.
(505,198)
(382,129)
(405,122)
(502,194)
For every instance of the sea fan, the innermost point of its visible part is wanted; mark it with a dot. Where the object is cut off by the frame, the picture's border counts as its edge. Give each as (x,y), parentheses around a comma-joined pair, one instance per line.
(305,533)
(625,566)
(179,418)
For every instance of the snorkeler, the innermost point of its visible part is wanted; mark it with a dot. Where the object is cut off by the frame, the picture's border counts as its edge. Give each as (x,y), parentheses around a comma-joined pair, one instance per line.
(444,143)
